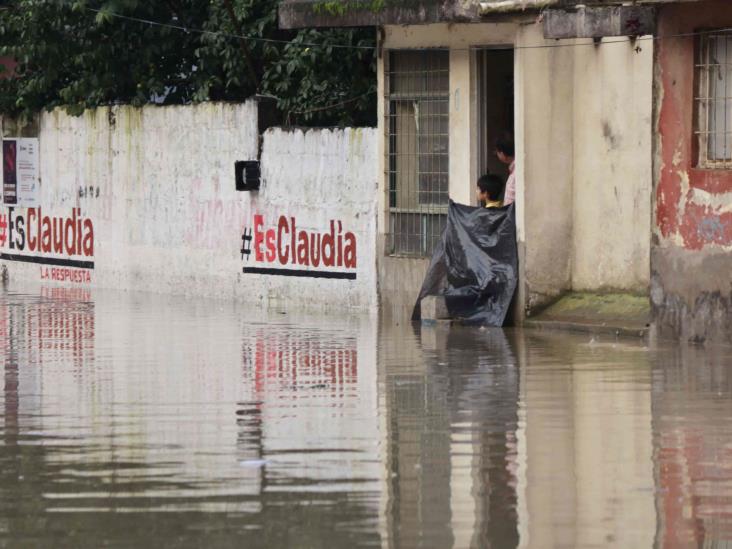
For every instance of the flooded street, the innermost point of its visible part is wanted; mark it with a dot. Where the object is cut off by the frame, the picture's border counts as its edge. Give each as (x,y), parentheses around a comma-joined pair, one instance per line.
(138,420)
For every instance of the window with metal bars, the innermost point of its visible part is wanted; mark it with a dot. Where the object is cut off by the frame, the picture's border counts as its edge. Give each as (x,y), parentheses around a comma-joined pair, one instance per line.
(417,125)
(714,100)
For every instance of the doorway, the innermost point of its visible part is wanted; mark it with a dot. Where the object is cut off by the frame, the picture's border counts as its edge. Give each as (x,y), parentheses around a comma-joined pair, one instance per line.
(495,106)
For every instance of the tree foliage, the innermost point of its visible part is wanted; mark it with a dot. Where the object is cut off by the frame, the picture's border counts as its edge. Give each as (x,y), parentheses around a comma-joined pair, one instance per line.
(84,53)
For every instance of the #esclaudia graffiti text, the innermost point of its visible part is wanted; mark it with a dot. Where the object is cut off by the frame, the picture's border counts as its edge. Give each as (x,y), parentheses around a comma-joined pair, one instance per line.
(305,252)
(70,240)
(61,235)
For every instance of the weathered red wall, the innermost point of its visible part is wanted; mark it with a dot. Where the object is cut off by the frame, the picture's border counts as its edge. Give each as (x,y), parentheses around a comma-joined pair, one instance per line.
(693,219)
(691,256)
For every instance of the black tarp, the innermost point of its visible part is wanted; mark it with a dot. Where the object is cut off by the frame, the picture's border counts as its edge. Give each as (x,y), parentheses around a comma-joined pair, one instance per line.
(475,265)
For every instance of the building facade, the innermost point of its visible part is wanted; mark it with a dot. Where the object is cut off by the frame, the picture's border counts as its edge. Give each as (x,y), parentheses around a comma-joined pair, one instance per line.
(622,168)
(621,121)
(450,84)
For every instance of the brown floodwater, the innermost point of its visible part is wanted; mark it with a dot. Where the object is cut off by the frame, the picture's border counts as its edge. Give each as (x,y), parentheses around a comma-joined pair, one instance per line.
(136,420)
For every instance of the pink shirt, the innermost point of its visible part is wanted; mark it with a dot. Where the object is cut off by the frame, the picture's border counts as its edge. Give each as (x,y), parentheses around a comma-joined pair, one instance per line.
(510,194)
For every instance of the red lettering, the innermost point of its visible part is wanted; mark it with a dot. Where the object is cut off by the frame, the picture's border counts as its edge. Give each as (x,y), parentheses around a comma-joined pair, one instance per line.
(302,248)
(287,245)
(32,240)
(270,243)
(70,232)
(350,251)
(328,253)
(340,245)
(88,245)
(293,236)
(46,235)
(315,249)
(58,235)
(78,231)
(258,237)
(282,227)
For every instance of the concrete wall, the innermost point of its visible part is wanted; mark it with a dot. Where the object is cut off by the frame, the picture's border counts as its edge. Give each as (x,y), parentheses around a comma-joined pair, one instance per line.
(583,143)
(156,185)
(613,86)
(691,286)
(583,138)
(544,109)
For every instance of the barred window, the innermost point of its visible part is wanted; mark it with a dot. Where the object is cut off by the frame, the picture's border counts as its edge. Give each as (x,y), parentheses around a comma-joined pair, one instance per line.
(417,102)
(714,100)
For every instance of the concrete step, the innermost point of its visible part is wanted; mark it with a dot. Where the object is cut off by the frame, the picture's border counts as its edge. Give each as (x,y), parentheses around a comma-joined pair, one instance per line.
(610,313)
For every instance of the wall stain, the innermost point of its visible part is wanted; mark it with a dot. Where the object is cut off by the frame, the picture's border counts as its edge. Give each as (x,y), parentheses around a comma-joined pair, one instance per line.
(607,132)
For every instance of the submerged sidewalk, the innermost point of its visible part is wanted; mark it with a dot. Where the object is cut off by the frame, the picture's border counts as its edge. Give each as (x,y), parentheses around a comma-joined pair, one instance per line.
(619,314)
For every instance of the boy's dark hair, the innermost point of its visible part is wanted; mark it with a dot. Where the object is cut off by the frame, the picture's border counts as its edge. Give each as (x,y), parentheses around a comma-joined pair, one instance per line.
(505,145)
(490,184)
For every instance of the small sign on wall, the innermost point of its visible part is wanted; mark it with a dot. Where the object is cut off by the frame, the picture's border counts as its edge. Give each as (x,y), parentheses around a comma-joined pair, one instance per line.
(21,182)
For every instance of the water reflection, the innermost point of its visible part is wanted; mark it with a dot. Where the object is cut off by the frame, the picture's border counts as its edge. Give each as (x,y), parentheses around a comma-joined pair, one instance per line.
(693,449)
(145,420)
(452,450)
(134,419)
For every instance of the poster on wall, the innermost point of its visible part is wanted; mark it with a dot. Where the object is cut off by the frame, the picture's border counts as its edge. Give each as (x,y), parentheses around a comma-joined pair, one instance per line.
(21,184)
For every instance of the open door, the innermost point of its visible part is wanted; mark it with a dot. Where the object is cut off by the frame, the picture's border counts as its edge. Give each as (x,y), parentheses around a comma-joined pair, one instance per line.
(495,105)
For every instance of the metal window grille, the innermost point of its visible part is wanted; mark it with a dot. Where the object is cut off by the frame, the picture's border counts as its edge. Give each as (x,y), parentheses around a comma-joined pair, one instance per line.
(417,124)
(714,100)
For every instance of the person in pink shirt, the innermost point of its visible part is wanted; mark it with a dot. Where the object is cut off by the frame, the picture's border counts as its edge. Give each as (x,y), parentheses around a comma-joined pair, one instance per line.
(505,153)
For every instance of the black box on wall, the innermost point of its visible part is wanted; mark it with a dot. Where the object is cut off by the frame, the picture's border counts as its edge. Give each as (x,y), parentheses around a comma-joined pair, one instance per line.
(247,175)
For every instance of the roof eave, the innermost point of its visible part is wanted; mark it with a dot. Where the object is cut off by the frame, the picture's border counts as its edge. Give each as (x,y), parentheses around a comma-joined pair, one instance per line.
(497,7)
(295,14)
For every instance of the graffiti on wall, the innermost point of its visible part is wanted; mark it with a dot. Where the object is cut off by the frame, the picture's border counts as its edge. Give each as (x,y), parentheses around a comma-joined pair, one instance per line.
(62,246)
(287,249)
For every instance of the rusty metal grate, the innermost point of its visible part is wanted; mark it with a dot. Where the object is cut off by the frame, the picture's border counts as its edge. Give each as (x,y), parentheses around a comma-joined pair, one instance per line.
(417,141)
(714,100)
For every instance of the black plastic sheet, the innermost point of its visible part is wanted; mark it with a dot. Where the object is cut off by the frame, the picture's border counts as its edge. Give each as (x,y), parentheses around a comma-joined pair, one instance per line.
(475,265)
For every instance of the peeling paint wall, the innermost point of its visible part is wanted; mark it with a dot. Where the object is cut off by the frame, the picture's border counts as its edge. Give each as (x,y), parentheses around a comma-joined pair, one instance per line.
(157,184)
(691,287)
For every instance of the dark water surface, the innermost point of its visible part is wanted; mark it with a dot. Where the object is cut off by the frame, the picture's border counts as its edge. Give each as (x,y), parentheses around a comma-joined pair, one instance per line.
(146,421)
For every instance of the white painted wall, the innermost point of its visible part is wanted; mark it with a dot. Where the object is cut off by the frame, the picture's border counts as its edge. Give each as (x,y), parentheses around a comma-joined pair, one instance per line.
(583,138)
(318,176)
(613,86)
(544,109)
(158,185)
